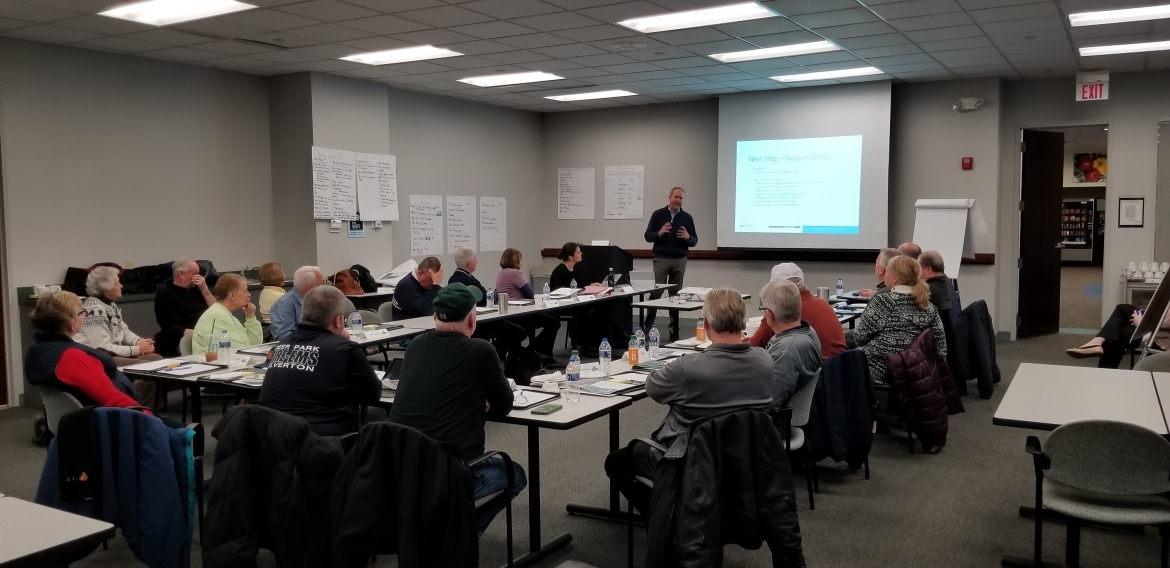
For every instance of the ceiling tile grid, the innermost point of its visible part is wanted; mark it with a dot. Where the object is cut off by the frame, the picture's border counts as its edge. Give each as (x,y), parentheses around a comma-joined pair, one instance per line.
(908,40)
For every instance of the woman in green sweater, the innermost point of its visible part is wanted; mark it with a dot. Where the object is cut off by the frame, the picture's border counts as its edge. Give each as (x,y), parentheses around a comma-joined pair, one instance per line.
(231,294)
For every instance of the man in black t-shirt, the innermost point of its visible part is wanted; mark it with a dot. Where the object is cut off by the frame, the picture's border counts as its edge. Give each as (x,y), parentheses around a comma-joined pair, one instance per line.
(178,305)
(317,373)
(450,385)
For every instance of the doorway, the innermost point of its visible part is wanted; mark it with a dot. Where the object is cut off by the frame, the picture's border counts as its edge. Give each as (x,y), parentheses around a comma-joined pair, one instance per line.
(1062,229)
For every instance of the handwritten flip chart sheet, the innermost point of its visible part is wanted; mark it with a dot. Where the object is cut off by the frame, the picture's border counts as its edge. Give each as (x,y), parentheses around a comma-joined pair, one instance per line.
(377,187)
(334,184)
(575,193)
(623,192)
(460,222)
(426,225)
(493,223)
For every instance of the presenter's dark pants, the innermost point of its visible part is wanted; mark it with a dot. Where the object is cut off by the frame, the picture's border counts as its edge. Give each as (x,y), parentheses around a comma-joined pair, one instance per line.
(667,271)
(1116,333)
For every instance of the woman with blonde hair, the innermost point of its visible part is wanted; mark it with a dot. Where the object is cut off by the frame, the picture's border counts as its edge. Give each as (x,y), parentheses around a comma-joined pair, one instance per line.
(231,294)
(893,320)
(272,278)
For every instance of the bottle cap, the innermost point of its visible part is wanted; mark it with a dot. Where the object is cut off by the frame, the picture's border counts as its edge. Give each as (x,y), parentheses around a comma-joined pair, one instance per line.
(574,352)
(604,339)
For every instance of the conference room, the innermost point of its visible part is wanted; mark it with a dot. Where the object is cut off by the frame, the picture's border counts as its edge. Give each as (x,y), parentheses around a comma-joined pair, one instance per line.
(653,152)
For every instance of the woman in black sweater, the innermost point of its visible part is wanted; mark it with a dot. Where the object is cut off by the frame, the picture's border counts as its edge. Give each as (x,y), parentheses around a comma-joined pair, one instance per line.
(583,326)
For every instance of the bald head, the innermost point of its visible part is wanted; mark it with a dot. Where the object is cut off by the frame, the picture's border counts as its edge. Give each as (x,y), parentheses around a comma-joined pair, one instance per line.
(911,250)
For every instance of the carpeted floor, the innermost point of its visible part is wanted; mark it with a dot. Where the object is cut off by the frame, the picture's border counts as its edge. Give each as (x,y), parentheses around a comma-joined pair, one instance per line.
(1080,299)
(958,508)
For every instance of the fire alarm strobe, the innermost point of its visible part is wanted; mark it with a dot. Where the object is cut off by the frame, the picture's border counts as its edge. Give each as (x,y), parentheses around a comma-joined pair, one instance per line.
(968,163)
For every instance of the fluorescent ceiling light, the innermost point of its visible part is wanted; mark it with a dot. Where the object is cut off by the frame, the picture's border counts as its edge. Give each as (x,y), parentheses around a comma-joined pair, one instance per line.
(1119,16)
(823,75)
(167,12)
(1125,48)
(510,79)
(770,52)
(591,96)
(697,18)
(401,55)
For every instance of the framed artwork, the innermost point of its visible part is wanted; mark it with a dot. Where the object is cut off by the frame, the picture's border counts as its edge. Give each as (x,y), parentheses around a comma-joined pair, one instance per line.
(1131,211)
(1090,168)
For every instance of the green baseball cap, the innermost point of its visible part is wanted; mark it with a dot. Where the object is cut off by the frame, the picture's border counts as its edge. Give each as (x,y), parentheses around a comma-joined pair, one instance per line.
(454,301)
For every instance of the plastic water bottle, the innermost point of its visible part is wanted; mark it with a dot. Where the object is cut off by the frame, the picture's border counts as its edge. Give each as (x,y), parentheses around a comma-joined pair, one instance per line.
(840,287)
(605,354)
(652,342)
(491,297)
(641,339)
(573,285)
(223,354)
(573,376)
(609,281)
(700,332)
(546,293)
(633,352)
(355,321)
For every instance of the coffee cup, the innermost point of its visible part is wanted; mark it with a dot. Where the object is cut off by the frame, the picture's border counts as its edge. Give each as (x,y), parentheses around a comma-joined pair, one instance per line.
(40,290)
(502,302)
(550,387)
(823,292)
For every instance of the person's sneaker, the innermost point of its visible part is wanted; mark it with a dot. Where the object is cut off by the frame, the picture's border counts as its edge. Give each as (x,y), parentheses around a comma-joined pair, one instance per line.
(1085,351)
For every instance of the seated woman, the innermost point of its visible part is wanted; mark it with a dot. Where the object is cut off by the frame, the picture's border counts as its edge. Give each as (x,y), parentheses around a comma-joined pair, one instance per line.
(105,330)
(231,293)
(894,319)
(1113,340)
(585,328)
(511,281)
(272,278)
(55,360)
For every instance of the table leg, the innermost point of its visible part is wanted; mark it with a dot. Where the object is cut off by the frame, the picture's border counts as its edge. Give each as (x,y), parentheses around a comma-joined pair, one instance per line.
(196,404)
(537,551)
(614,512)
(673,326)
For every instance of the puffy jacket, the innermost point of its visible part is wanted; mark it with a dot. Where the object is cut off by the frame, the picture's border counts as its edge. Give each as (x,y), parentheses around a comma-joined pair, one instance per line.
(926,390)
(711,496)
(974,346)
(270,490)
(840,424)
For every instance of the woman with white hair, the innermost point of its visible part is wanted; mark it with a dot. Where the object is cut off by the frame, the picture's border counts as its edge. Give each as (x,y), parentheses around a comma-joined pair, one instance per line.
(104,327)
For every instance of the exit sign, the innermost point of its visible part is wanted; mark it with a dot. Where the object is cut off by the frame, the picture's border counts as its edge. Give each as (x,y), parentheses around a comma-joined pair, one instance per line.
(1092,86)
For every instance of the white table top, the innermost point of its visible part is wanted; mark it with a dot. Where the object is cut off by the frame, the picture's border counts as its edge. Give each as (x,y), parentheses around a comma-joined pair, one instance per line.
(378,292)
(571,415)
(1043,397)
(670,304)
(1162,387)
(27,529)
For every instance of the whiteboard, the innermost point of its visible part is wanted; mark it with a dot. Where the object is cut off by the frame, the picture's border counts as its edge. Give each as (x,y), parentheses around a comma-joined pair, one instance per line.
(575,193)
(493,223)
(460,222)
(941,225)
(377,187)
(623,192)
(426,225)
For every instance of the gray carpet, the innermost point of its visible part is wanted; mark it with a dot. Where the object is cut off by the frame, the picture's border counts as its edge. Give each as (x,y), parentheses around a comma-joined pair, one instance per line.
(958,508)
(1080,297)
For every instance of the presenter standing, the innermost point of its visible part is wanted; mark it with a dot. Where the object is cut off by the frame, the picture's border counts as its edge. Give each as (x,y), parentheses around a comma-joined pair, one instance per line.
(672,231)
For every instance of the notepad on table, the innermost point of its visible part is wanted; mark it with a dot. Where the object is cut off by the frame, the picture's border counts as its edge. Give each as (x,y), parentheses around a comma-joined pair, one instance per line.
(155,365)
(261,349)
(188,369)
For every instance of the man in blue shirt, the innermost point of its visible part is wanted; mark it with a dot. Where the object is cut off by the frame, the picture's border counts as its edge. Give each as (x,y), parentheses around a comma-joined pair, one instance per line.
(286,312)
(673,233)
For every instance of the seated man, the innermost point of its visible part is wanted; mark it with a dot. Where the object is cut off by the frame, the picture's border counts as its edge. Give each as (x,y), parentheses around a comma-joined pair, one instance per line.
(931,263)
(317,373)
(817,312)
(178,305)
(879,271)
(508,335)
(286,310)
(730,375)
(795,348)
(450,384)
(910,249)
(414,296)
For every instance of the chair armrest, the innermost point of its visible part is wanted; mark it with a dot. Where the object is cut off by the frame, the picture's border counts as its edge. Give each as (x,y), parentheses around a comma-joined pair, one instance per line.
(1041,461)
(650,443)
(508,467)
(348,441)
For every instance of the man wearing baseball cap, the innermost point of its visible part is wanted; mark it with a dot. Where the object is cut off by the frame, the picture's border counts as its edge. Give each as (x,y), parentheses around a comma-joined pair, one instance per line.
(450,384)
(817,312)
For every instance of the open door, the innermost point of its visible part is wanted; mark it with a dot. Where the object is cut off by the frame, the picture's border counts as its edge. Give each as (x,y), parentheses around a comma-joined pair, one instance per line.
(1042,183)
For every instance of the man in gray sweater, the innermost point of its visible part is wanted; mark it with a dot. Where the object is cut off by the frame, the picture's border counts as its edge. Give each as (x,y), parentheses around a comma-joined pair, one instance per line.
(795,349)
(730,375)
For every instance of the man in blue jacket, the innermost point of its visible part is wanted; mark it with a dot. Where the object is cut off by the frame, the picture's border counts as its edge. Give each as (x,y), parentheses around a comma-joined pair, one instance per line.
(672,231)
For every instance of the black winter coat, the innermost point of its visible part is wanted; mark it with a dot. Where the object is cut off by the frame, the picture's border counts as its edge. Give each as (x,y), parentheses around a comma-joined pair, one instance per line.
(926,390)
(974,348)
(270,490)
(401,492)
(840,424)
(733,486)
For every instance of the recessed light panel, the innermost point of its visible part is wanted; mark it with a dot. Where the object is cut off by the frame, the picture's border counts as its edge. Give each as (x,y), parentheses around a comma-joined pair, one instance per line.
(591,96)
(510,79)
(772,52)
(402,55)
(1125,48)
(825,75)
(698,18)
(167,12)
(1119,16)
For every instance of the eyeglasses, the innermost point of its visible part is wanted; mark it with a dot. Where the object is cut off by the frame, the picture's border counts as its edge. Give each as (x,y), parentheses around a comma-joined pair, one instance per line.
(81,313)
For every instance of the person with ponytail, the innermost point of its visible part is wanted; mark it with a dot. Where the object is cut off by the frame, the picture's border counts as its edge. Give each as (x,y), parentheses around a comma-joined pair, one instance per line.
(893,320)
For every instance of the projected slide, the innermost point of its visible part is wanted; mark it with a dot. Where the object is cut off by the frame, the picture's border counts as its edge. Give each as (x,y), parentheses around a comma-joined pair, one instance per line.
(808,186)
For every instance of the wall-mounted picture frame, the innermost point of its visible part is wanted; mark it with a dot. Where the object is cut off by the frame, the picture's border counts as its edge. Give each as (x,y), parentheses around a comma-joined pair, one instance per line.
(1131,211)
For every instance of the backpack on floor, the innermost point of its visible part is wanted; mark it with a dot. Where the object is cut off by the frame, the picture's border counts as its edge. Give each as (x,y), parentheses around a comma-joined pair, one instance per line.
(521,365)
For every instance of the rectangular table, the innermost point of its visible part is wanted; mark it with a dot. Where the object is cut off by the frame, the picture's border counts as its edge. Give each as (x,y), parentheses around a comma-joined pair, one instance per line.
(1043,397)
(30,534)
(672,306)
(371,300)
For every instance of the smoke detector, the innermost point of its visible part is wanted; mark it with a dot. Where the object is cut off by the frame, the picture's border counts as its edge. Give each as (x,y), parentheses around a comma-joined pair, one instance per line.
(626,46)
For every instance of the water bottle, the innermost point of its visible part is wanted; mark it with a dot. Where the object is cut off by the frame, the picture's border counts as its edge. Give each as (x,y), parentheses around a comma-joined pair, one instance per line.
(355,321)
(652,342)
(490,297)
(573,376)
(840,287)
(223,354)
(573,286)
(633,352)
(641,339)
(700,332)
(609,281)
(546,293)
(605,354)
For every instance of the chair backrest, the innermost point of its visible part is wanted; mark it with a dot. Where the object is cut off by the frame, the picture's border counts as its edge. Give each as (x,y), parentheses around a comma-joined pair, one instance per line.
(801,400)
(370,316)
(386,311)
(57,404)
(185,345)
(1110,457)
(1156,363)
(348,308)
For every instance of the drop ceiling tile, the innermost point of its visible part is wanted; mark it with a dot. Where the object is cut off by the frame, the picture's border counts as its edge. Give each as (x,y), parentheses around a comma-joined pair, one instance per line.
(451,85)
(882,40)
(911,67)
(509,9)
(329,33)
(679,81)
(594,33)
(655,55)
(975,62)
(818,58)
(1021,58)
(411,79)
(954,54)
(725,46)
(1053,61)
(445,16)
(1109,40)
(218,28)
(1016,38)
(230,47)
(804,84)
(33,12)
(690,36)
(375,72)
(924,75)
(607,80)
(234,63)
(648,75)
(1024,25)
(51,34)
(122,44)
(623,11)
(797,7)
(938,34)
(565,84)
(599,60)
(481,47)
(629,68)
(534,40)
(377,43)
(755,67)
(282,39)
(688,63)
(551,65)
(418,67)
(570,50)
(933,21)
(981,4)
(709,70)
(271,20)
(327,10)
(582,4)
(331,65)
(434,37)
(1036,47)
(516,56)
(835,18)
(950,44)
(582,73)
(469,62)
(325,50)
(1074,6)
(384,25)
(1019,12)
(763,26)
(80,6)
(1130,28)
(904,49)
(856,30)
(181,54)
(556,21)
(102,25)
(284,56)
(914,8)
(986,71)
(748,83)
(880,62)
(271,3)
(492,30)
(736,76)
